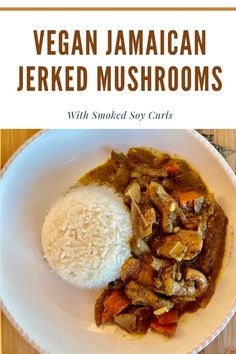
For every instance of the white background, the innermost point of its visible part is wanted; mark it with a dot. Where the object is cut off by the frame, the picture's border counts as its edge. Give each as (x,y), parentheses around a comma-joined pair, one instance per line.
(49,109)
(113,3)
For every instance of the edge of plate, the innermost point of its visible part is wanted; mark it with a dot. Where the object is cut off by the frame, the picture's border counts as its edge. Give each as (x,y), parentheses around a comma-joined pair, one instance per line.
(4,307)
(232,309)
(22,147)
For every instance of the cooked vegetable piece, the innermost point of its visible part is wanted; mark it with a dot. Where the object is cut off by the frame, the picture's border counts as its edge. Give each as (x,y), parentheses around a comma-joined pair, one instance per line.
(141,295)
(123,175)
(106,316)
(130,269)
(187,238)
(173,168)
(159,264)
(167,206)
(147,221)
(133,192)
(167,330)
(119,159)
(137,244)
(126,321)
(114,304)
(122,168)
(178,251)
(199,279)
(191,201)
(165,196)
(139,247)
(146,274)
(144,316)
(160,311)
(99,306)
(169,317)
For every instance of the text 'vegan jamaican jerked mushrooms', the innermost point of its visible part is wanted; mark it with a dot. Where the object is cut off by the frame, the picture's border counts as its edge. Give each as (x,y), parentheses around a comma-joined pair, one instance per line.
(177,245)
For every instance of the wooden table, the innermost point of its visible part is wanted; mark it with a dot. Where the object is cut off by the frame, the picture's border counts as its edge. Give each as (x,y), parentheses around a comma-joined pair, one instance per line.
(13,343)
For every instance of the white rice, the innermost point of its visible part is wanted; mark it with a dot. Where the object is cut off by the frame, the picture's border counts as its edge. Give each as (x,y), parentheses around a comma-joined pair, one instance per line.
(85,236)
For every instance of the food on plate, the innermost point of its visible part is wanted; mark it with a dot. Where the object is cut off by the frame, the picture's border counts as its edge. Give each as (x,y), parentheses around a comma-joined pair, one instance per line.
(177,244)
(85,236)
(144,226)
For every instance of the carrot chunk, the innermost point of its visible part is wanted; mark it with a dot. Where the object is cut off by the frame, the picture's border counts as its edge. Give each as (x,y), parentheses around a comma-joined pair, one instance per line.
(167,330)
(168,317)
(187,199)
(106,317)
(114,304)
(173,168)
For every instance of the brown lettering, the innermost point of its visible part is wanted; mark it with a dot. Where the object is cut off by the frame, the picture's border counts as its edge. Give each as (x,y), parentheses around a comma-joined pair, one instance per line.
(63,46)
(200,42)
(136,43)
(215,71)
(173,78)
(185,44)
(201,79)
(186,78)
(146,78)
(20,87)
(162,42)
(51,42)
(91,42)
(104,79)
(38,40)
(119,78)
(82,78)
(30,78)
(172,50)
(134,85)
(68,78)
(120,43)
(77,44)
(159,78)
(151,43)
(56,80)
(42,78)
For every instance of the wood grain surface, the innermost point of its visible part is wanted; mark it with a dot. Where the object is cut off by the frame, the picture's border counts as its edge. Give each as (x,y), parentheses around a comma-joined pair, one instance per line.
(13,343)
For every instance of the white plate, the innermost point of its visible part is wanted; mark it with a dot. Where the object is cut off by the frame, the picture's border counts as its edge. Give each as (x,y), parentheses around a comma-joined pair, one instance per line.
(57,318)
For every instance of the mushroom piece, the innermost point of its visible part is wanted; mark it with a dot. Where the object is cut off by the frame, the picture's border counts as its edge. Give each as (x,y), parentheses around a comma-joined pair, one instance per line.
(181,288)
(130,269)
(168,207)
(144,316)
(184,245)
(209,206)
(159,263)
(141,295)
(133,192)
(126,321)
(137,244)
(145,223)
(121,165)
(137,321)
(199,279)
(193,286)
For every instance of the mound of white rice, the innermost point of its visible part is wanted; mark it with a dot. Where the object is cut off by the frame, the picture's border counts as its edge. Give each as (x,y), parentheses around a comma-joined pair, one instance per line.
(85,236)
